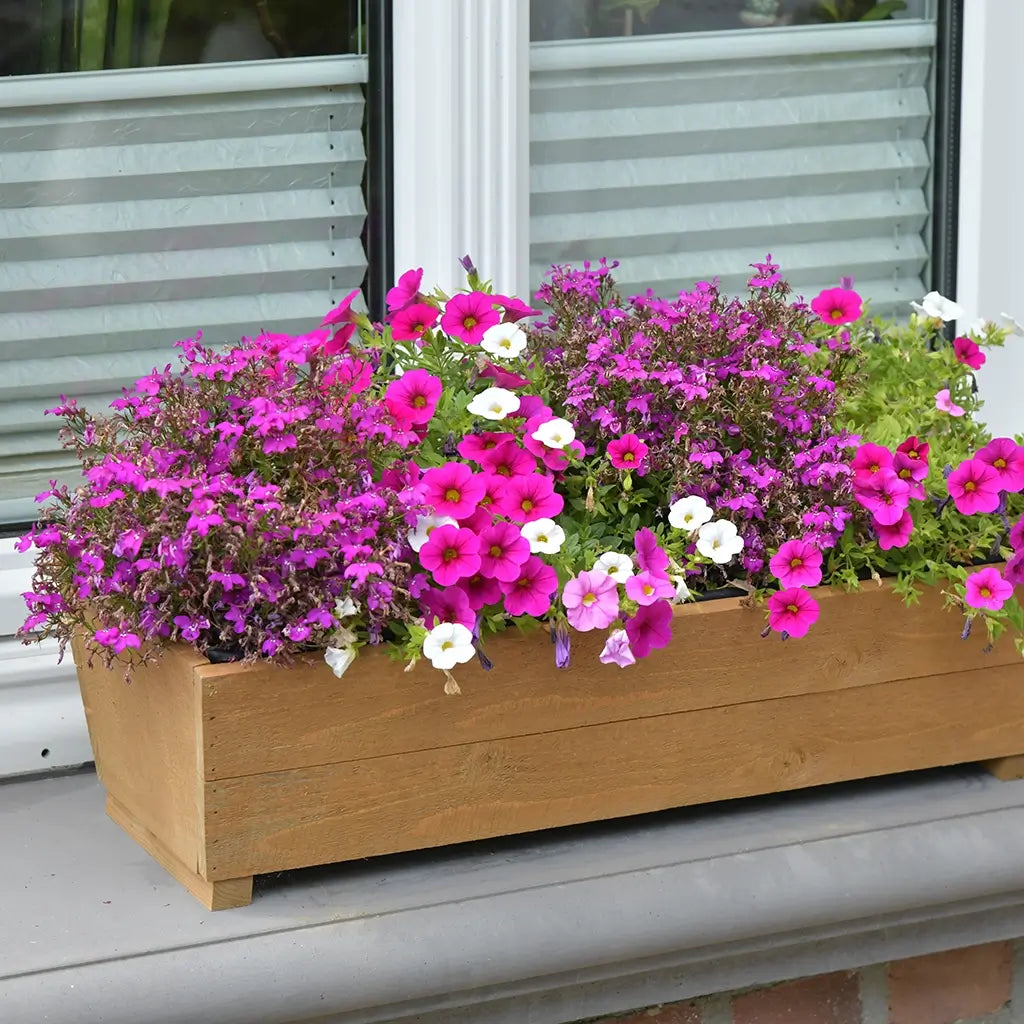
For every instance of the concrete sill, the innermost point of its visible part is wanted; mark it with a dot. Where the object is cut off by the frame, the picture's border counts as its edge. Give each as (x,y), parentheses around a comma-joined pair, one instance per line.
(544,929)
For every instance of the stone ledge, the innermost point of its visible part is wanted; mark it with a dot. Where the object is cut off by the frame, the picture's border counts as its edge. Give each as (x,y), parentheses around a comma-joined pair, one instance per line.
(548,929)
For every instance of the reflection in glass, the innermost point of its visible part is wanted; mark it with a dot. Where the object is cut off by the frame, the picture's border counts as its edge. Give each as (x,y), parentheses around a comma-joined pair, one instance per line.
(581,19)
(46,36)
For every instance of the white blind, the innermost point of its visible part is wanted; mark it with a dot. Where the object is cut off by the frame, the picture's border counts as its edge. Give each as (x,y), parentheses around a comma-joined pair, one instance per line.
(137,207)
(689,156)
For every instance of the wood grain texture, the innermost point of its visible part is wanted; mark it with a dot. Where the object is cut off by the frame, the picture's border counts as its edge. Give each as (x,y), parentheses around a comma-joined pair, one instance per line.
(264,718)
(222,895)
(145,739)
(1006,768)
(450,794)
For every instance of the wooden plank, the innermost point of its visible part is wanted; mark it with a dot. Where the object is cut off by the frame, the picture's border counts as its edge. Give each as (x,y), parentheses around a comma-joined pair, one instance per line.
(1006,768)
(327,813)
(262,718)
(144,737)
(222,895)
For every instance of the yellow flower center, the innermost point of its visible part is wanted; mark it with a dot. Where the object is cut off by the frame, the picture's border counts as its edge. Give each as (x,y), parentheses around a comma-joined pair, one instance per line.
(837,314)
(792,608)
(628,457)
(1000,463)
(795,563)
(470,321)
(446,645)
(985,592)
(495,550)
(419,402)
(450,554)
(970,486)
(647,589)
(588,600)
(527,505)
(452,495)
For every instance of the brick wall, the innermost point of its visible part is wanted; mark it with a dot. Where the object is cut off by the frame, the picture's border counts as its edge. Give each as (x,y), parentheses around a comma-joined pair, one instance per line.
(964,986)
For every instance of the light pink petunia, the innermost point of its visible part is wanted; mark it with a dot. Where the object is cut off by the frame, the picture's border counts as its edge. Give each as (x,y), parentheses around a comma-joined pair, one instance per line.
(945,403)
(987,589)
(968,353)
(792,611)
(650,629)
(451,554)
(797,564)
(837,305)
(617,650)
(531,592)
(591,601)
(646,588)
(1006,458)
(413,397)
(974,487)
(467,317)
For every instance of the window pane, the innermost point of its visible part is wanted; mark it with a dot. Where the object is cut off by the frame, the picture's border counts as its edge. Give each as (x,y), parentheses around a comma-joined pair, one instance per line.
(580,19)
(48,36)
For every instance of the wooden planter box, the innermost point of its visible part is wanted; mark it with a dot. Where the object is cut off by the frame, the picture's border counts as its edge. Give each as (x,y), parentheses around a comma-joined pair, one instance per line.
(223,772)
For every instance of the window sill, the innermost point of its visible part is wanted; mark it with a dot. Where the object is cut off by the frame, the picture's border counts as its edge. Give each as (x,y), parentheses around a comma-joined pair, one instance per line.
(551,928)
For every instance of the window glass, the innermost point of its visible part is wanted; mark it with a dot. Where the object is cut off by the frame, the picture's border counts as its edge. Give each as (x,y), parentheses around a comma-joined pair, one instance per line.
(47,36)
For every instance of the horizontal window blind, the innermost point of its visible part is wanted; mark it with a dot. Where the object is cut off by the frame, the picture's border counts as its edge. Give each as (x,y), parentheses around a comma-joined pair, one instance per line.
(687,157)
(137,207)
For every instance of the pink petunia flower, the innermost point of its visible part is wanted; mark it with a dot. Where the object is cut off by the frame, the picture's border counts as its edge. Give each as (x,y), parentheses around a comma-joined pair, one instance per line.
(412,322)
(467,317)
(1006,458)
(342,312)
(526,498)
(515,309)
(792,611)
(617,650)
(450,554)
(1013,571)
(649,554)
(646,588)
(885,497)
(558,459)
(413,397)
(870,461)
(448,605)
(944,403)
(407,291)
(968,353)
(531,592)
(591,601)
(503,378)
(914,449)
(627,452)
(797,564)
(452,489)
(837,305)
(974,487)
(503,550)
(987,589)
(480,590)
(895,535)
(1017,535)
(911,472)
(508,460)
(473,446)
(650,629)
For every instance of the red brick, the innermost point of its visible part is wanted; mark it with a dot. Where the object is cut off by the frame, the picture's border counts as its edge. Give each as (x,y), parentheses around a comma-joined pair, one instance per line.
(826,999)
(676,1013)
(947,987)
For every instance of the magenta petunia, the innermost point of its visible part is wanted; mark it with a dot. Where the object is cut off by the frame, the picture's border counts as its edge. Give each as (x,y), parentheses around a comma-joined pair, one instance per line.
(450,554)
(467,316)
(480,590)
(342,312)
(968,353)
(452,490)
(503,550)
(974,487)
(649,554)
(515,309)
(508,460)
(531,592)
(1006,458)
(647,587)
(911,473)
(870,461)
(407,291)
(474,446)
(526,498)
(503,378)
(650,629)
(914,449)
(1013,571)
(987,589)
(591,601)
(797,564)
(838,305)
(792,611)
(1017,535)
(412,322)
(413,397)
(885,497)
(895,535)
(449,605)
(627,452)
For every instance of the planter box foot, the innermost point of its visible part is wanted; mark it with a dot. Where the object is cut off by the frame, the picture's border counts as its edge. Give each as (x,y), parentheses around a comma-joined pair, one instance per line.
(1006,768)
(220,895)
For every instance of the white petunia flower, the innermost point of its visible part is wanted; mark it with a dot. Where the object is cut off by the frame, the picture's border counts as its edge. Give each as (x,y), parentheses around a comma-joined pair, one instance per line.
(619,567)
(425,525)
(556,433)
(340,658)
(719,541)
(682,590)
(345,608)
(448,644)
(936,305)
(494,404)
(1017,327)
(504,341)
(689,513)
(546,537)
